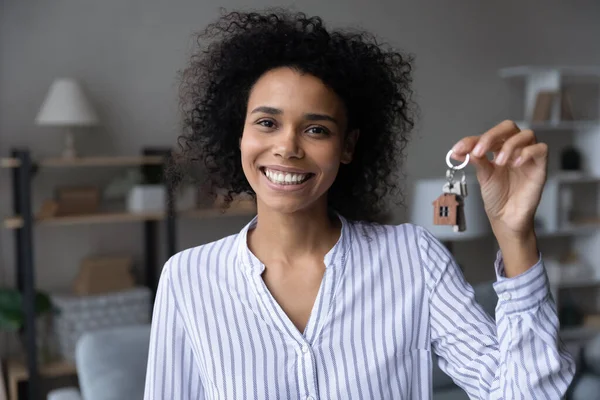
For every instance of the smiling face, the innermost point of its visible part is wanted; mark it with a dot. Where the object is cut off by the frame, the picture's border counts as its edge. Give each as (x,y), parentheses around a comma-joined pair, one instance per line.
(294,140)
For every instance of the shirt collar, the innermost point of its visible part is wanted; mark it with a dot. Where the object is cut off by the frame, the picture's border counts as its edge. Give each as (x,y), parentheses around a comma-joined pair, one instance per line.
(335,257)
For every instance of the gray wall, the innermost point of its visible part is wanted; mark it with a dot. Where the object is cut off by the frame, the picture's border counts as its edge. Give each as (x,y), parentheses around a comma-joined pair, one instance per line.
(127,54)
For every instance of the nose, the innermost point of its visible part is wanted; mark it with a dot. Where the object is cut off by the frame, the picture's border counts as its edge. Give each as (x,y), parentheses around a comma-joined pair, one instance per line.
(287,145)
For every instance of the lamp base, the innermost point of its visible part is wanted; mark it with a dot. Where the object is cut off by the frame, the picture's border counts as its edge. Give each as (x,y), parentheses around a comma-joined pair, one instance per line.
(69,150)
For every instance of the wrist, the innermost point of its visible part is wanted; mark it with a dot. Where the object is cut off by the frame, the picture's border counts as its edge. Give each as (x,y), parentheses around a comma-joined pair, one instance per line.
(519,252)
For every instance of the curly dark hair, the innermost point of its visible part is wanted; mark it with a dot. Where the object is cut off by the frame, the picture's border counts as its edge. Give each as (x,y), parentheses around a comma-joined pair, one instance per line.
(373,82)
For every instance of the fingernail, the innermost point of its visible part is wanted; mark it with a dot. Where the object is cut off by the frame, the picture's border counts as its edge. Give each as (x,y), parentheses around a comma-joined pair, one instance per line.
(478,150)
(457,147)
(500,159)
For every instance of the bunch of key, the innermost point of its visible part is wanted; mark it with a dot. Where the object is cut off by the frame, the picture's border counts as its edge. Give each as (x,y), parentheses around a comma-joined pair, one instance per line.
(448,208)
(459,189)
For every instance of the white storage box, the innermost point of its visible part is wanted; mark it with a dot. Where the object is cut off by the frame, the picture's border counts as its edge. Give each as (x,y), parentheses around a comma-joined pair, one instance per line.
(147,198)
(80,314)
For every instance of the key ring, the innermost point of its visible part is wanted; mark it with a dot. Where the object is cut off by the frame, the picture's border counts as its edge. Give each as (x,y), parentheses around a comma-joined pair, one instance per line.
(456,167)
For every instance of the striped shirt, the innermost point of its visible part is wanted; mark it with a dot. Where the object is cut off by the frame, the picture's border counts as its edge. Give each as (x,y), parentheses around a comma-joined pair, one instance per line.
(390,295)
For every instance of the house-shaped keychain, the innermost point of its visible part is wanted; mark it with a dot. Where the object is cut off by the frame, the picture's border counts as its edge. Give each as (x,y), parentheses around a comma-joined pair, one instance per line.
(447,211)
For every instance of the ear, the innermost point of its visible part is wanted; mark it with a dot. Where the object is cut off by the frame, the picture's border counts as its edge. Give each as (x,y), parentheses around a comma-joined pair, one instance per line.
(349,146)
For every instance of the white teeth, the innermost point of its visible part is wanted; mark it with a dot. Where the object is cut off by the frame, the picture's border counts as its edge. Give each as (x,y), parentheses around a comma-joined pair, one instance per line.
(283,178)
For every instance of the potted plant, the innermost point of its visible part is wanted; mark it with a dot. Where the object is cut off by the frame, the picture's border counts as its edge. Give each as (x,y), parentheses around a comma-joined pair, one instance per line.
(12,318)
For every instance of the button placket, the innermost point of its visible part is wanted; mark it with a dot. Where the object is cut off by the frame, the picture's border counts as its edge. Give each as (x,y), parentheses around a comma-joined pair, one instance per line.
(307,369)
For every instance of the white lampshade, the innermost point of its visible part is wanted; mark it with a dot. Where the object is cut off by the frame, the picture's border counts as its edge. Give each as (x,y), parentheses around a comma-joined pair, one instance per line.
(421,210)
(66,105)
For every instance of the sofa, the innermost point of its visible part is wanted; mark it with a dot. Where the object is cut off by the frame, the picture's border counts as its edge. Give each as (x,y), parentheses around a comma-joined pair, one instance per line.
(111,364)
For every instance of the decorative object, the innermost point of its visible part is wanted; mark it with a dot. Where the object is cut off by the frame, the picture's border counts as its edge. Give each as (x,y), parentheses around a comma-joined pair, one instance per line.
(151,194)
(566,106)
(565,205)
(570,159)
(76,200)
(80,314)
(420,210)
(445,209)
(119,187)
(147,198)
(48,209)
(544,101)
(67,106)
(12,319)
(99,275)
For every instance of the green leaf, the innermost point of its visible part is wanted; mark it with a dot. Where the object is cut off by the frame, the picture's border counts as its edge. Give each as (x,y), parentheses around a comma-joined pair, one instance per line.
(42,303)
(11,320)
(10,300)
(11,308)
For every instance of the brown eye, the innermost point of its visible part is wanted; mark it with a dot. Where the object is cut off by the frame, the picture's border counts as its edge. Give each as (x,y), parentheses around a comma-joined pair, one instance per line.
(266,123)
(318,131)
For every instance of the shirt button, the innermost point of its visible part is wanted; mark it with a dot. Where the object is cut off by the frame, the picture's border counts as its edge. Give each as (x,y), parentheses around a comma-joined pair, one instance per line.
(305,350)
(310,398)
(505,296)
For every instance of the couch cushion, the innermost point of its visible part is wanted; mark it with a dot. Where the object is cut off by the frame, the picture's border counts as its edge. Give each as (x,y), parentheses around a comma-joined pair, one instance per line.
(111,364)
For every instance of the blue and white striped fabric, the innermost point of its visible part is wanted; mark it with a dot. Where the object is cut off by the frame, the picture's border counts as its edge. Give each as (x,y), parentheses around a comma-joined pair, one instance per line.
(389,296)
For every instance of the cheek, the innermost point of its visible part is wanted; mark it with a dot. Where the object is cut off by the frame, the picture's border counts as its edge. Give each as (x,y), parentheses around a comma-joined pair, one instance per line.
(329,162)
(249,148)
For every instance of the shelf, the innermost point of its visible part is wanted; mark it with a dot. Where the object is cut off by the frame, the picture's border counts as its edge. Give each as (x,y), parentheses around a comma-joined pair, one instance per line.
(116,217)
(578,229)
(574,177)
(216,213)
(557,126)
(17,222)
(577,283)
(579,333)
(107,161)
(570,71)
(17,369)
(16,372)
(9,163)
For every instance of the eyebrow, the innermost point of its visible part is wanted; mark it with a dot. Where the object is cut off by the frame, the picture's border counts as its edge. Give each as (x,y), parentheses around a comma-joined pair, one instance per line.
(309,116)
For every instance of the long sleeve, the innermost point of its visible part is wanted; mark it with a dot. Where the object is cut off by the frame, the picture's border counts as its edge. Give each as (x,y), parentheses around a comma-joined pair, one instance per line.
(520,356)
(171,372)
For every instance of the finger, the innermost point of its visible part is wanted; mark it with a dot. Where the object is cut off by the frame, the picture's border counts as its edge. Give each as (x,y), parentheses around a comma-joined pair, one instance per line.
(483,168)
(464,147)
(511,149)
(537,153)
(493,139)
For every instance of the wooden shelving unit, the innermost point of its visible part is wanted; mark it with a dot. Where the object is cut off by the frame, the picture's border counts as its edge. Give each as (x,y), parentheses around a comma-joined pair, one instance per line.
(557,206)
(23,221)
(104,161)
(16,371)
(16,222)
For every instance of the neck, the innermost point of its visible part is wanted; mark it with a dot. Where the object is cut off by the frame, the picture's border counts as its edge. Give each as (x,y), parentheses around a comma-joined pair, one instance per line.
(282,238)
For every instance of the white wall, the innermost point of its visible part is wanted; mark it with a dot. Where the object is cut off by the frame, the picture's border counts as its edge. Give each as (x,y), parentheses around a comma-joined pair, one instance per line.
(127,54)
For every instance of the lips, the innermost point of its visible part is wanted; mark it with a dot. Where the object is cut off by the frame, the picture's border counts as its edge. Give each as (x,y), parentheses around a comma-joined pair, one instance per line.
(285,178)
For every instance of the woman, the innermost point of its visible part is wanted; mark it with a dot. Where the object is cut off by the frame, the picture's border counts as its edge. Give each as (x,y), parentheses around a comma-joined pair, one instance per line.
(313,298)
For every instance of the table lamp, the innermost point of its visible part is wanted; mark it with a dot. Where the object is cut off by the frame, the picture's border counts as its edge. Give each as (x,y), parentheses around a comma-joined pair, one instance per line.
(421,210)
(66,106)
